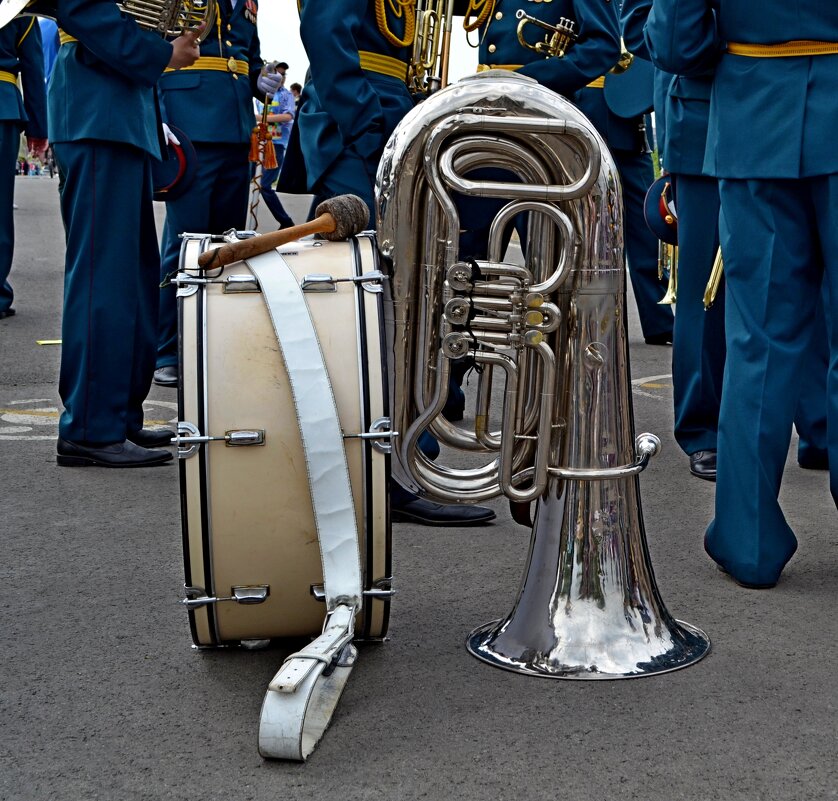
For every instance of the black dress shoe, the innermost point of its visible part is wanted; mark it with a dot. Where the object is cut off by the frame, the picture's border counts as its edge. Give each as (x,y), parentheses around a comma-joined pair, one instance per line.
(7,313)
(703,465)
(427,513)
(152,437)
(166,376)
(119,454)
(814,459)
(659,339)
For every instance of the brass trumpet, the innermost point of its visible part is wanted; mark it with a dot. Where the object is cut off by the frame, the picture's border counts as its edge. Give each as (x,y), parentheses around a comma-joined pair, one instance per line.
(715,281)
(668,262)
(428,68)
(561,37)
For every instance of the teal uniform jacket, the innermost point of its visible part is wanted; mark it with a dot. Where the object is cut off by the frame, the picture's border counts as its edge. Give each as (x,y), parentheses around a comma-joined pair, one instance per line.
(217,105)
(103,86)
(779,236)
(20,55)
(214,108)
(348,110)
(104,127)
(596,50)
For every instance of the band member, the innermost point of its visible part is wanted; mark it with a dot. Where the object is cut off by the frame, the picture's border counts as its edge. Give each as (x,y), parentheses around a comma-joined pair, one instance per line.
(698,355)
(105,132)
(212,103)
(627,141)
(20,57)
(779,218)
(358,52)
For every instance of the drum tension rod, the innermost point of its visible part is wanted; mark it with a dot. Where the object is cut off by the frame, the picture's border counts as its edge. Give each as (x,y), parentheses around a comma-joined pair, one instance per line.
(323,282)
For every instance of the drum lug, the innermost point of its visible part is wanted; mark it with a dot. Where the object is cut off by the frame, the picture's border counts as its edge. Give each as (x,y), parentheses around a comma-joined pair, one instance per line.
(189,438)
(379,431)
(318,282)
(235,284)
(381,589)
(247,595)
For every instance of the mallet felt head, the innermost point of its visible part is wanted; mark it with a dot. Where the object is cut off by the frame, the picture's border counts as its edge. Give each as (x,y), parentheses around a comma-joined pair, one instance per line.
(350,213)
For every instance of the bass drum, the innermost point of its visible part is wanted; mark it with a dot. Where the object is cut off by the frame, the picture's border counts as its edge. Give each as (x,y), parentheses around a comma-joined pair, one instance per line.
(252,557)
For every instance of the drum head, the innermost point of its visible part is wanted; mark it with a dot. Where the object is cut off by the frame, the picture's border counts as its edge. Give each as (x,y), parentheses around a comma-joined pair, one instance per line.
(630,93)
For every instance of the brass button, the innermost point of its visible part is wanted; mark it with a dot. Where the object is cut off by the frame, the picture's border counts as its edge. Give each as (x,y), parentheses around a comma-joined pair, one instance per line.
(499,15)
(492,48)
(229,27)
(228,43)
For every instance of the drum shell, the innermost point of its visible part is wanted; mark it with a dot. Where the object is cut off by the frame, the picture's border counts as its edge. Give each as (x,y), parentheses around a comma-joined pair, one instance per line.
(246,510)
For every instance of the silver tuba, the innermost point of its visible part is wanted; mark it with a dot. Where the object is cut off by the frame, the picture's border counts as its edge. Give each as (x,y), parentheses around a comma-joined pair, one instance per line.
(554,330)
(169,18)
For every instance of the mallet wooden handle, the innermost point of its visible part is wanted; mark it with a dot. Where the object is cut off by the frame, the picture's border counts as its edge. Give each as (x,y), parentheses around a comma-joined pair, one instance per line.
(255,245)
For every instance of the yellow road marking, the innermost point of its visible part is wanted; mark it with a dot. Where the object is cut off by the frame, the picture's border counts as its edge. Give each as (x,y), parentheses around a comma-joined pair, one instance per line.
(42,413)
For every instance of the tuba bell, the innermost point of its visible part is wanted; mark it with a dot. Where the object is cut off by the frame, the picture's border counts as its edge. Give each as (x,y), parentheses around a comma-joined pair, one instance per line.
(554,330)
(169,18)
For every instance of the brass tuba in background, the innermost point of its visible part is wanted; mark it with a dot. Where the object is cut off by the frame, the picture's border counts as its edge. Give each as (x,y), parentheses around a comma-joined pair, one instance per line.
(553,331)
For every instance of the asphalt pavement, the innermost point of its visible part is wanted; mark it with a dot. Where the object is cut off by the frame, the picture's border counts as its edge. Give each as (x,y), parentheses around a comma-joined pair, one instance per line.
(103,697)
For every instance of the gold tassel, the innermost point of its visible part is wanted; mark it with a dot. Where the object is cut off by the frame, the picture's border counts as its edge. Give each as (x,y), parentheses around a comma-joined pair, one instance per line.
(254,144)
(261,140)
(270,156)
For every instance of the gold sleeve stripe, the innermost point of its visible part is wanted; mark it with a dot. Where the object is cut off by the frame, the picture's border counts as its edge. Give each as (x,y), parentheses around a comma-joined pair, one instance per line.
(383,65)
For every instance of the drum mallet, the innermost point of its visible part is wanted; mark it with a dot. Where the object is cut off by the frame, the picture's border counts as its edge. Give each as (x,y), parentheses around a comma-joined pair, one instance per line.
(337,218)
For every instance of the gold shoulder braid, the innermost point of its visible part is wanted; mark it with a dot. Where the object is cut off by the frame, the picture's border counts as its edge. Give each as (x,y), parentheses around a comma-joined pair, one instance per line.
(483,9)
(398,7)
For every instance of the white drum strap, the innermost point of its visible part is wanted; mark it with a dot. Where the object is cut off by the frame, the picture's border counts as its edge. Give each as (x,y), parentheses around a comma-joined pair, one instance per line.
(304,693)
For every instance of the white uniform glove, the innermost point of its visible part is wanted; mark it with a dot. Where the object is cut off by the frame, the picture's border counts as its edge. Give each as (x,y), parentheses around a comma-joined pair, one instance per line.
(168,136)
(269,82)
